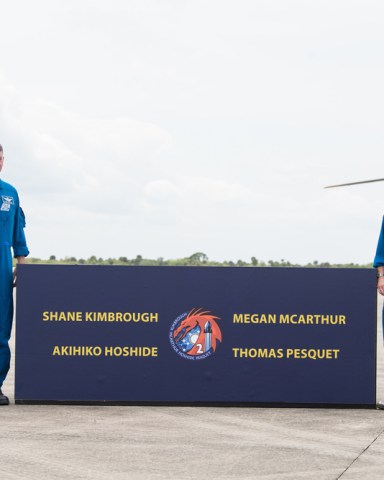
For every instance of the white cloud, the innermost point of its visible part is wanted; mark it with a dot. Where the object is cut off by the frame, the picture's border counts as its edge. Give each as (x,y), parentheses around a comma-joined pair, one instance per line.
(162,127)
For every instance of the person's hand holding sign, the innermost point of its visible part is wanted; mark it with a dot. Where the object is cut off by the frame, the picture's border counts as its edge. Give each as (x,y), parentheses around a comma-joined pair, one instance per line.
(380,280)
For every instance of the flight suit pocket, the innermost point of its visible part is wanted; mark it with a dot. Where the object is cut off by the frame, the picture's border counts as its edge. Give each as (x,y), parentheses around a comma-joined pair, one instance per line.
(22,217)
(4,217)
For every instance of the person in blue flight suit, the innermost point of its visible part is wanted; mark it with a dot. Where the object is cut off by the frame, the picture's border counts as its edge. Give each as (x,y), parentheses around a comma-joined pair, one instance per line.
(12,225)
(378,263)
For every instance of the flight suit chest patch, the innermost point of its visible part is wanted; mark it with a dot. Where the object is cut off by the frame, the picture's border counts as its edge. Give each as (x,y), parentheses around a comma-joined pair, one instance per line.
(7,201)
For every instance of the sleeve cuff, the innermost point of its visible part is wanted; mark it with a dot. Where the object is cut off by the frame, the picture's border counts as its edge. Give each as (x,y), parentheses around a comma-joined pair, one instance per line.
(20,252)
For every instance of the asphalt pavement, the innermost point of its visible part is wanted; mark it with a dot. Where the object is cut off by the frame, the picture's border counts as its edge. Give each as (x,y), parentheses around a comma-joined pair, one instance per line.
(140,443)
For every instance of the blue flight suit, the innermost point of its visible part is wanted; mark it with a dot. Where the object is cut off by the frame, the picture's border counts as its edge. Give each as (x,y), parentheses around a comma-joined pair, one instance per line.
(379,257)
(12,223)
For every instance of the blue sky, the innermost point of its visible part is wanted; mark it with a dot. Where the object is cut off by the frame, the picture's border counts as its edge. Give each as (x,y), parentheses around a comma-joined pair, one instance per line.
(163,127)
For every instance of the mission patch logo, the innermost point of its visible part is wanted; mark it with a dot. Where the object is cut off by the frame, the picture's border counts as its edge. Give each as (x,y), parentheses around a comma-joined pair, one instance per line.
(6,203)
(194,335)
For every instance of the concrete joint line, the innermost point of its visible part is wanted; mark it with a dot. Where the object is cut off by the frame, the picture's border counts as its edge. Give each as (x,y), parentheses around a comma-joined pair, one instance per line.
(360,454)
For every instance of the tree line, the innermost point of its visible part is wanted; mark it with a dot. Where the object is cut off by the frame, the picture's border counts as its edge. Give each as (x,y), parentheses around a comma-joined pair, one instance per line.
(199,259)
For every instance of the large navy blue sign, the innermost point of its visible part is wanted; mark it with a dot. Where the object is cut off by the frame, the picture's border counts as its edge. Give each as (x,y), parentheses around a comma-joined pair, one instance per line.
(196,335)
